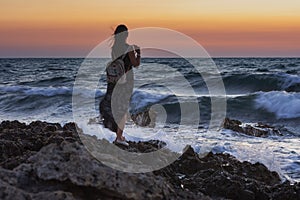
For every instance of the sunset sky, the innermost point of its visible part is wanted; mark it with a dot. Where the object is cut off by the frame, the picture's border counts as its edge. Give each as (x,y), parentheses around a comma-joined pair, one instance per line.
(72,28)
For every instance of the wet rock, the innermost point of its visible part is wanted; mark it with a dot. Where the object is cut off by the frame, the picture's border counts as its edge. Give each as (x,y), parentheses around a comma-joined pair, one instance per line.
(143,147)
(47,161)
(256,130)
(39,126)
(12,125)
(67,170)
(223,176)
(51,128)
(144,118)
(232,124)
(286,191)
(18,139)
(95,120)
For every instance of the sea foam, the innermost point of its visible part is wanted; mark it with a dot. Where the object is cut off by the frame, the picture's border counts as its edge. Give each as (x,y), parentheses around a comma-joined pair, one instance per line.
(283,104)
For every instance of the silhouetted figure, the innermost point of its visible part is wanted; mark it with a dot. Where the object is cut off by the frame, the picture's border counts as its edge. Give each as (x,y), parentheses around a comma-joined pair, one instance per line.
(114,105)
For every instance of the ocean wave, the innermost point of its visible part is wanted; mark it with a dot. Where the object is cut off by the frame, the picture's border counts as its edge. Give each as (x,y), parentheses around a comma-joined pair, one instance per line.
(261,82)
(142,99)
(247,82)
(43,91)
(55,80)
(50,91)
(283,104)
(263,105)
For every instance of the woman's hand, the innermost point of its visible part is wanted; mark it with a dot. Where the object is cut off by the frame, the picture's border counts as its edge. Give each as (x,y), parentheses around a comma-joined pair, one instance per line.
(135,55)
(137,49)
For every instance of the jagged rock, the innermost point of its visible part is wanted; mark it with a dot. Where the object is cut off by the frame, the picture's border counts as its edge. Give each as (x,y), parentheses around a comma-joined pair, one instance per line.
(8,192)
(256,130)
(69,171)
(144,118)
(18,139)
(143,147)
(46,161)
(12,125)
(223,176)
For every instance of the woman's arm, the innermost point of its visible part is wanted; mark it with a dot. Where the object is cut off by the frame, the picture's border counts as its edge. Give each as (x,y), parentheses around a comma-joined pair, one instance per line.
(135,60)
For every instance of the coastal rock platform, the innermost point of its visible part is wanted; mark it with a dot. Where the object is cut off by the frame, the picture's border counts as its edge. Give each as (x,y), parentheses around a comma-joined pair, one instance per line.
(44,160)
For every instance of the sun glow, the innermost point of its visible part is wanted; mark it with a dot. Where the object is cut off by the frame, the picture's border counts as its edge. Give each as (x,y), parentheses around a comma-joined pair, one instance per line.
(223,27)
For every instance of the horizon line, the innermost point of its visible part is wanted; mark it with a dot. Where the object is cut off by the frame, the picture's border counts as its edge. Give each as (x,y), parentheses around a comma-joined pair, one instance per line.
(79,57)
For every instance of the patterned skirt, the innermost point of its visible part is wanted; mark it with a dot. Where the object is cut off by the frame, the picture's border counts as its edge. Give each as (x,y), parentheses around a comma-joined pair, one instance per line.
(114,106)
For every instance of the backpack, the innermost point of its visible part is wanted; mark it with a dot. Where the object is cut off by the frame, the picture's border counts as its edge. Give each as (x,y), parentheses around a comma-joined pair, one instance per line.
(115,71)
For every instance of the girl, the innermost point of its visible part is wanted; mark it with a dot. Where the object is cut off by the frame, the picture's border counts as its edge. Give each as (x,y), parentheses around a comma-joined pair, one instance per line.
(114,105)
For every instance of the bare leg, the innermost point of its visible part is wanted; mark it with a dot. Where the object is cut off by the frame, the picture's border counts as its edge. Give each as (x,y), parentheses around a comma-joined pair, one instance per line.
(119,134)
(121,128)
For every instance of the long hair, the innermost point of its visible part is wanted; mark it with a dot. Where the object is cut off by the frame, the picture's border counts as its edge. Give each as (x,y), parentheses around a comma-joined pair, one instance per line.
(119,41)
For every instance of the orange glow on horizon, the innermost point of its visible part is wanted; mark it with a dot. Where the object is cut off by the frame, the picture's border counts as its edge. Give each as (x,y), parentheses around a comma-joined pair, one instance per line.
(60,27)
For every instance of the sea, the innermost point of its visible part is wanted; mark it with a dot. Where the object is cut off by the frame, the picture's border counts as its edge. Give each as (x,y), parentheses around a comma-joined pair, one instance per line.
(265,90)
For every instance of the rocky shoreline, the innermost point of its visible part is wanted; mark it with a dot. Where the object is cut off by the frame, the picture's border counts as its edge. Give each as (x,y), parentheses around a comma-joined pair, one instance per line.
(47,161)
